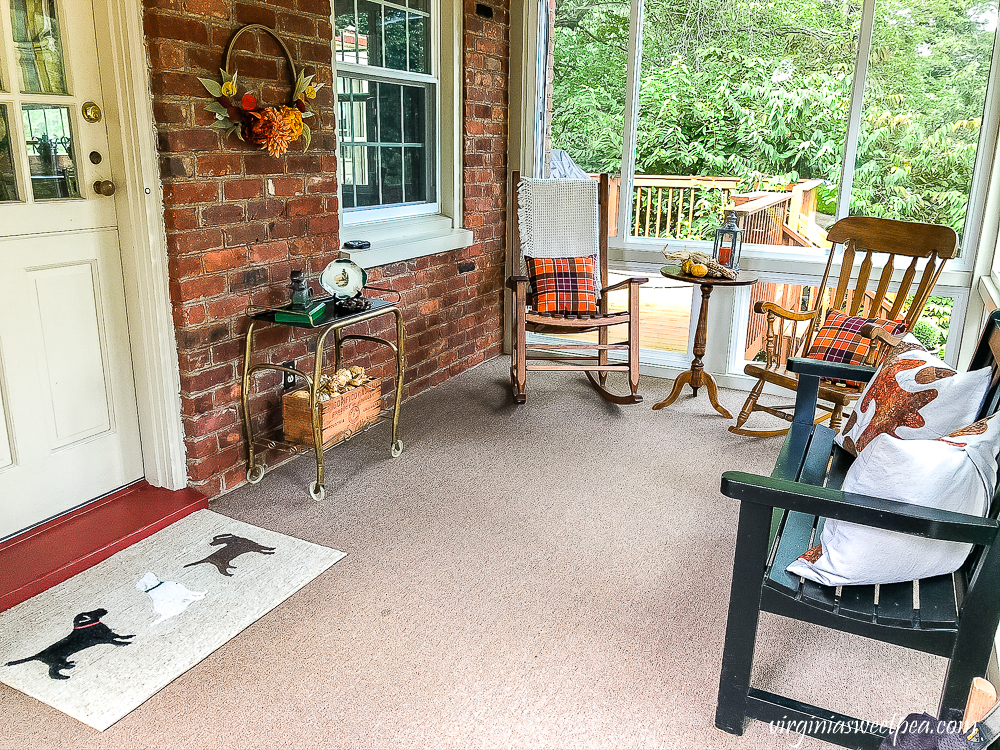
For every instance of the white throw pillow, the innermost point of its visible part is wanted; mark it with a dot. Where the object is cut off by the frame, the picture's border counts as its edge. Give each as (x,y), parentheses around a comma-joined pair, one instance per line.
(913,395)
(954,473)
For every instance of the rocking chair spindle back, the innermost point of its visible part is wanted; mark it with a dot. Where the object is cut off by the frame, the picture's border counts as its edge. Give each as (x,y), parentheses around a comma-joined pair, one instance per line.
(879,244)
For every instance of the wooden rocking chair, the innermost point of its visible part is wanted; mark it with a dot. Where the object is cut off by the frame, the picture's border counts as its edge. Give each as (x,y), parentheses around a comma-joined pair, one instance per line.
(790,334)
(551,356)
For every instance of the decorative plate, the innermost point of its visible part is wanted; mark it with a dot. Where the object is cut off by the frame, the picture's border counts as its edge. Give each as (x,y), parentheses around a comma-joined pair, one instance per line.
(343,278)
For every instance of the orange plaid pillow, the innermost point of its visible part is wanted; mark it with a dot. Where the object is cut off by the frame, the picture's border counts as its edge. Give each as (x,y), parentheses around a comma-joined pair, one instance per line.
(840,339)
(563,285)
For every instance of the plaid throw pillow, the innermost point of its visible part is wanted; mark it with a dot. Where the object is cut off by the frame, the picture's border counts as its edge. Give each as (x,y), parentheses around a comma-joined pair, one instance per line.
(840,339)
(563,285)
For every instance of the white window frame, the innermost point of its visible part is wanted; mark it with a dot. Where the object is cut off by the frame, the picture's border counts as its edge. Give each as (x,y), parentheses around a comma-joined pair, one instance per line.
(404,232)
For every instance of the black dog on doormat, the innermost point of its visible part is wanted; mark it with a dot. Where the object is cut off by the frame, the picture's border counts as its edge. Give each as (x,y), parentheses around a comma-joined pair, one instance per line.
(88,630)
(233,547)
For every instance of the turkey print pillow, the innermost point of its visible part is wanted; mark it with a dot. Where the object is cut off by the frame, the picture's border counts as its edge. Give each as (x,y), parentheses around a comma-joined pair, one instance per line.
(914,395)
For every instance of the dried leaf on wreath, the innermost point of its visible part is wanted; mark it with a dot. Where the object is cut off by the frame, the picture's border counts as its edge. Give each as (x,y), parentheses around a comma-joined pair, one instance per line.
(213,87)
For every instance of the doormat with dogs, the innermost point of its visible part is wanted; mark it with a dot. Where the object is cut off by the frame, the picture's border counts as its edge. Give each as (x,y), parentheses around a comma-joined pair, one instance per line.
(100,644)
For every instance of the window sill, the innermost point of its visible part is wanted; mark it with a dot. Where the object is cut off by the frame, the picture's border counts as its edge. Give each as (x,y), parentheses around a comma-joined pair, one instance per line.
(397,240)
(790,265)
(989,292)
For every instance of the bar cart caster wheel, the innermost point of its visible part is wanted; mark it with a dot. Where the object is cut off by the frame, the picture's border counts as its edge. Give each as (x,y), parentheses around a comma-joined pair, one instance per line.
(256,474)
(397,448)
(317,492)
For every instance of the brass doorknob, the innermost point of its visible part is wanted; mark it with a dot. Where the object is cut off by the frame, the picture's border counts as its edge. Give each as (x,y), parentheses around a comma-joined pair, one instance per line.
(104,187)
(91,112)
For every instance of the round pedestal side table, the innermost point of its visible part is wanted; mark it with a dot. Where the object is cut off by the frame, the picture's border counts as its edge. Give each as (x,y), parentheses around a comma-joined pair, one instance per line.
(696,377)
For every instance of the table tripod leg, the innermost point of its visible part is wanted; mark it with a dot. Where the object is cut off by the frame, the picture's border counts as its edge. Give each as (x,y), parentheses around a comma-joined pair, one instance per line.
(709,382)
(683,379)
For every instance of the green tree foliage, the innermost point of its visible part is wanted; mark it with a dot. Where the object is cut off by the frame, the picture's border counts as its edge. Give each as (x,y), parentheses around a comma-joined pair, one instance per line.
(761,90)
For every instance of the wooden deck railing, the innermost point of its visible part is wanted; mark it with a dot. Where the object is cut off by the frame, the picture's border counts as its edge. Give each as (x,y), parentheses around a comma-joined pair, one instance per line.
(787,218)
(673,206)
(689,208)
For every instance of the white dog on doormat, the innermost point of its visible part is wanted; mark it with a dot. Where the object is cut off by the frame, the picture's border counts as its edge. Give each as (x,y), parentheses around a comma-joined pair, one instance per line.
(169,597)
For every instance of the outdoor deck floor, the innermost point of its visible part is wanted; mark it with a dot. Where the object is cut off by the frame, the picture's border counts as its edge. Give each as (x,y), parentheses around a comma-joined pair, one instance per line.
(664,314)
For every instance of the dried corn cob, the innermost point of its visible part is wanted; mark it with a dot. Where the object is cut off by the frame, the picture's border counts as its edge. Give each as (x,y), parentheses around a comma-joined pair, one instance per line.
(715,269)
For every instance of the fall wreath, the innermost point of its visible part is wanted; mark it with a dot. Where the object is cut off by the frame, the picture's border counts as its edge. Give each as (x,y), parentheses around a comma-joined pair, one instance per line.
(270,127)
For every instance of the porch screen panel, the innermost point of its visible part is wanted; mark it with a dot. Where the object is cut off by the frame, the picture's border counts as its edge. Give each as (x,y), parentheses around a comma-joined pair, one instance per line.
(745,104)
(51,153)
(664,314)
(923,110)
(932,329)
(590,52)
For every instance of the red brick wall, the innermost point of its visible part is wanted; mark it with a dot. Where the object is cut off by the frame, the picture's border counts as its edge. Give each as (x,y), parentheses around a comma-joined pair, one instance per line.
(238,221)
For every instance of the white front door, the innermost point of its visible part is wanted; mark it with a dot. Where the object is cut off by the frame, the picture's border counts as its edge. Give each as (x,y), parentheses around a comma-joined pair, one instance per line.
(68,420)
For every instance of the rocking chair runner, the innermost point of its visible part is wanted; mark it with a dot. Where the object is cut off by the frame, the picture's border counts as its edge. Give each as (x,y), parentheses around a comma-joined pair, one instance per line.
(526,318)
(876,239)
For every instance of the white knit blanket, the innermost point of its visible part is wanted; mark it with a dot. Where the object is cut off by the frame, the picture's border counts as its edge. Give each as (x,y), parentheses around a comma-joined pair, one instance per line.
(557,218)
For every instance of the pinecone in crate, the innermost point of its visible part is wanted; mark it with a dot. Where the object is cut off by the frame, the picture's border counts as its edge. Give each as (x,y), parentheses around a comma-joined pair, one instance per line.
(341,381)
(699,264)
(348,401)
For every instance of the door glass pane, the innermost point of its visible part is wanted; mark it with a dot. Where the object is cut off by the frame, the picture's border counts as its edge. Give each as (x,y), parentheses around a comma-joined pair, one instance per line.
(51,158)
(8,184)
(923,109)
(38,47)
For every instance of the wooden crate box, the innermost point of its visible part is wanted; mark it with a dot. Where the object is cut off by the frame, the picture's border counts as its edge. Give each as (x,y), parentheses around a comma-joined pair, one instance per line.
(341,416)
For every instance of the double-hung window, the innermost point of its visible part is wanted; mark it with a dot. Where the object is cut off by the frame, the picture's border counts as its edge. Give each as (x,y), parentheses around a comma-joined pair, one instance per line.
(388,101)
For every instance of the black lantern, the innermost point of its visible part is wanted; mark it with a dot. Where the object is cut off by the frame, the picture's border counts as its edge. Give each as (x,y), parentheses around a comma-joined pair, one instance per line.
(728,243)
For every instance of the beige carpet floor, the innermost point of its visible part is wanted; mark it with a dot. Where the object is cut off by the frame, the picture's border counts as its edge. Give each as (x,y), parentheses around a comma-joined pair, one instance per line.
(554,575)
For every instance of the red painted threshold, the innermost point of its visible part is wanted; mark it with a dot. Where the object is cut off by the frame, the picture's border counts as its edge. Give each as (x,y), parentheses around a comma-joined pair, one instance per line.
(57,550)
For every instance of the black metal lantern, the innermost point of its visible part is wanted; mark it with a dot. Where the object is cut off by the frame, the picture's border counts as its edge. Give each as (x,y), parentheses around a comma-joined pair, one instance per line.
(728,243)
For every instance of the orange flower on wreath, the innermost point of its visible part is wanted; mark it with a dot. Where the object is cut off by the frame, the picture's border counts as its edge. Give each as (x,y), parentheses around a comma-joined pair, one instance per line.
(294,119)
(270,129)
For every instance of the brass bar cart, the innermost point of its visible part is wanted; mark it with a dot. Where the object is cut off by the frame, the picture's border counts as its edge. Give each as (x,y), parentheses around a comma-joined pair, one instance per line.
(334,322)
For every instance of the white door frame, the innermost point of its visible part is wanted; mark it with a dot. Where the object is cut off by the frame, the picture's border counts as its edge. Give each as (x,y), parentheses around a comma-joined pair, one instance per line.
(142,233)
